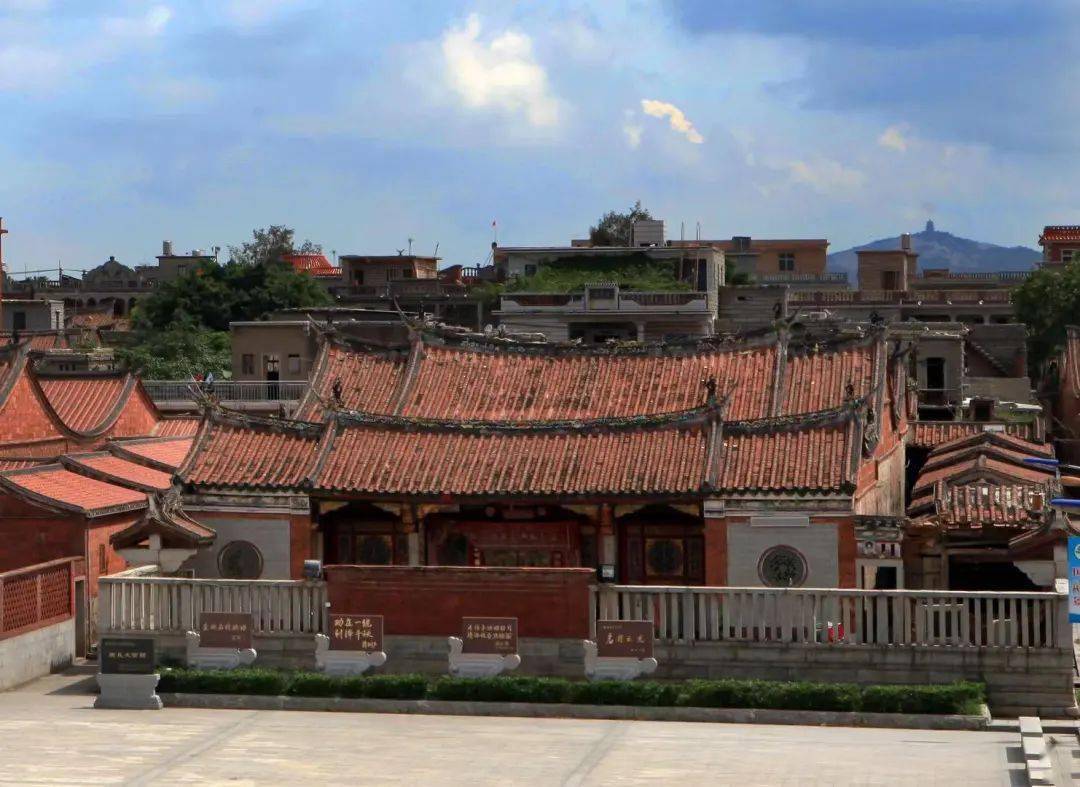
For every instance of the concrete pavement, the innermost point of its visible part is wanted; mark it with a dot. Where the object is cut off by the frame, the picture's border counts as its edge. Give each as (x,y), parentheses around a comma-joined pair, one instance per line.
(49,734)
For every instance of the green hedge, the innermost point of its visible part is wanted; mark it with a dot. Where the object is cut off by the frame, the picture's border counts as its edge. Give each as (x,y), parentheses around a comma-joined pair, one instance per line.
(961,698)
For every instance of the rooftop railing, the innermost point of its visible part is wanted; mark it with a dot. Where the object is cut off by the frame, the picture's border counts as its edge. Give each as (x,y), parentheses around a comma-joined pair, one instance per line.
(226,390)
(834,277)
(617,300)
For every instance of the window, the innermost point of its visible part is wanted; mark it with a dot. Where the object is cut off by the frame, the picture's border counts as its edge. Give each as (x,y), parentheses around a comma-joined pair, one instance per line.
(181,270)
(935,373)
(1069,255)
(889,280)
(247,363)
(294,364)
(787,261)
(358,277)
(782,567)
(530,269)
(240,560)
(102,560)
(408,273)
(18,321)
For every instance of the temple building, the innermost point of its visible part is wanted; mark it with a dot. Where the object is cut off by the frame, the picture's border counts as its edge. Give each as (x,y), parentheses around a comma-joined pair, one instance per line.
(753,462)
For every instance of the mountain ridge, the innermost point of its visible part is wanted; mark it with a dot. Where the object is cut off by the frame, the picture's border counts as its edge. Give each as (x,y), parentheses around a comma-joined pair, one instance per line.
(939,249)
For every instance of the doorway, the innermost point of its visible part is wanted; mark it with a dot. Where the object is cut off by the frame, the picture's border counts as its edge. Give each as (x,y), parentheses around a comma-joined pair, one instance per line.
(80,618)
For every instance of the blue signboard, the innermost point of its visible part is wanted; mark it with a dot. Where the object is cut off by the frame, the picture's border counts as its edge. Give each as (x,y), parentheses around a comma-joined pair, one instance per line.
(1074,579)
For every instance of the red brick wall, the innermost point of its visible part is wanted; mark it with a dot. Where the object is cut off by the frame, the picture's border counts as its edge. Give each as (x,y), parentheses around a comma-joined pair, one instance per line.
(23,416)
(716,551)
(299,543)
(137,418)
(431,600)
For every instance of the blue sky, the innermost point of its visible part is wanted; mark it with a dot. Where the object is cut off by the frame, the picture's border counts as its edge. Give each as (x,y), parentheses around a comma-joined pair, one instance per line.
(363,124)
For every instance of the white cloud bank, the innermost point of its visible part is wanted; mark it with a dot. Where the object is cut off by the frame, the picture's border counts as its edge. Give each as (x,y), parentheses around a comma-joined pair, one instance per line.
(676,118)
(894,138)
(499,74)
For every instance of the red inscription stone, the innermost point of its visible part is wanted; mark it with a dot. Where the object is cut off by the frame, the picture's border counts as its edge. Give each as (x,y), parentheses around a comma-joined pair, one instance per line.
(633,638)
(489,635)
(225,630)
(356,632)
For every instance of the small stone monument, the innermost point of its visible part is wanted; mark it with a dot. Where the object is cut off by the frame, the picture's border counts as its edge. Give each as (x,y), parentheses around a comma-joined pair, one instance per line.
(223,641)
(623,650)
(127,678)
(486,647)
(354,646)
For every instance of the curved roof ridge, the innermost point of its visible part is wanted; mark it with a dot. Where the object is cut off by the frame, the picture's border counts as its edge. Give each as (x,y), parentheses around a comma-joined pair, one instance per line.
(109,419)
(16,356)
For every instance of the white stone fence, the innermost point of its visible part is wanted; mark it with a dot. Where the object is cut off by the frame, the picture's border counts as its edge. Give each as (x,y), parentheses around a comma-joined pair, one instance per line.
(128,603)
(841,617)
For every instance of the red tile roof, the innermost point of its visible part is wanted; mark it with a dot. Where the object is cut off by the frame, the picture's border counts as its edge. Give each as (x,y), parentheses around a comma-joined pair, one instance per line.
(161,453)
(252,454)
(927,434)
(106,467)
(383,460)
(999,439)
(49,448)
(1060,232)
(18,464)
(86,403)
(984,468)
(59,488)
(369,381)
(823,458)
(452,382)
(177,427)
(975,505)
(44,340)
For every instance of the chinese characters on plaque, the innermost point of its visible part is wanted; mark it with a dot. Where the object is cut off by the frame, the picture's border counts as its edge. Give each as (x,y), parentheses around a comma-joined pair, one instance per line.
(356,632)
(126,655)
(225,630)
(624,638)
(489,635)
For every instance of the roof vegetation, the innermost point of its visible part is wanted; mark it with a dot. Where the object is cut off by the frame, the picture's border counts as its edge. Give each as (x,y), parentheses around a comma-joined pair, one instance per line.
(636,272)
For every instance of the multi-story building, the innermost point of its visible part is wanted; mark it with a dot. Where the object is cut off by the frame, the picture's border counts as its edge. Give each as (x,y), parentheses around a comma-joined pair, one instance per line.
(781,260)
(1060,244)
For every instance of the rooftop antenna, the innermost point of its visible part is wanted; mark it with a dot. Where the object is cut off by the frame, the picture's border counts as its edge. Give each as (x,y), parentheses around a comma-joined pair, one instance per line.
(682,231)
(698,237)
(436,252)
(400,252)
(410,246)
(334,252)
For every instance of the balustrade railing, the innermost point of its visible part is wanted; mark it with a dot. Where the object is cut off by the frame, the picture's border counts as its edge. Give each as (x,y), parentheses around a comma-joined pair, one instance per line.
(832,617)
(226,390)
(173,605)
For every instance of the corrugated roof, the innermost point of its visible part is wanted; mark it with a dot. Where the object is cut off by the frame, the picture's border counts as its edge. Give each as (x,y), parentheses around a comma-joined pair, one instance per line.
(56,487)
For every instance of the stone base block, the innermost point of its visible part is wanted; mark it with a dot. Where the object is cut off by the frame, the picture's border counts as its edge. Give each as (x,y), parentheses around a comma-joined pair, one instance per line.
(615,667)
(128,692)
(344,662)
(479,665)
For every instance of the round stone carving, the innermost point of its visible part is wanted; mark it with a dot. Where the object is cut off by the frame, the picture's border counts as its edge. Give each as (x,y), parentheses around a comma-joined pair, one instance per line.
(240,560)
(782,567)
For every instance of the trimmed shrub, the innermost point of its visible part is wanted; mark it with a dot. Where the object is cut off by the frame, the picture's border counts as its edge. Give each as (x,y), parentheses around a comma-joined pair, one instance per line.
(961,697)
(384,687)
(313,684)
(500,689)
(238,681)
(616,692)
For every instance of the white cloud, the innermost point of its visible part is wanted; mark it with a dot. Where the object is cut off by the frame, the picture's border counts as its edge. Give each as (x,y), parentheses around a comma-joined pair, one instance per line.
(894,138)
(37,65)
(255,13)
(500,74)
(825,176)
(676,118)
(633,135)
(149,25)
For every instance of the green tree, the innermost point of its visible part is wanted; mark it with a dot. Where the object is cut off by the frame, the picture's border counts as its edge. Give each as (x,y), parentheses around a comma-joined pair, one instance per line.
(614,229)
(1046,303)
(178,353)
(270,245)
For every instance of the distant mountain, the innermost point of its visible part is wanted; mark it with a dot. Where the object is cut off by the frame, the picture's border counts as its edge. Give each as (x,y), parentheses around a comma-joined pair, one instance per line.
(944,250)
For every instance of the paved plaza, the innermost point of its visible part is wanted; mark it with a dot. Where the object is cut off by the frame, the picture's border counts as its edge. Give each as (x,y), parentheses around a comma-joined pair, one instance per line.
(51,735)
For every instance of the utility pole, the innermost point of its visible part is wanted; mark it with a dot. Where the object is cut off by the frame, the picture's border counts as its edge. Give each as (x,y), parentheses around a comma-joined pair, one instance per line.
(3,232)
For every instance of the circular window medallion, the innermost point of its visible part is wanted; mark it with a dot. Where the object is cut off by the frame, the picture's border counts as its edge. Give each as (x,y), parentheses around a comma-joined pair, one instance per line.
(240,560)
(782,567)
